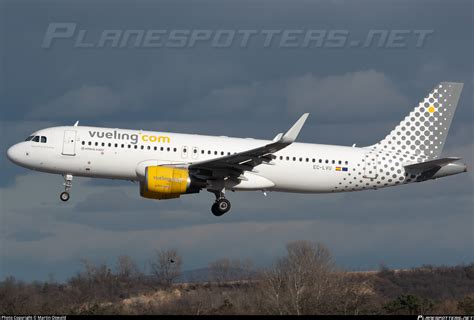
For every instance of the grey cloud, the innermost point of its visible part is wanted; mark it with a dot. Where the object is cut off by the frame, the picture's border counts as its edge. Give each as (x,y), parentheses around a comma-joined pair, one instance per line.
(355,95)
(226,100)
(86,100)
(29,235)
(91,101)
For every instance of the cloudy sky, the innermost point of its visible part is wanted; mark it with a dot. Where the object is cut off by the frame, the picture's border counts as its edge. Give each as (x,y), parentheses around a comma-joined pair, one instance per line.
(355,94)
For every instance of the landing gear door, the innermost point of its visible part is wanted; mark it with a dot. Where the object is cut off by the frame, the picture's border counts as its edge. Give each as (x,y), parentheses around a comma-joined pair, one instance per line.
(69,143)
(370,168)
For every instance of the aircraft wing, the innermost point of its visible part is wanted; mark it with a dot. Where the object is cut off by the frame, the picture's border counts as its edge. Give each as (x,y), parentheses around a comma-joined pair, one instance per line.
(235,164)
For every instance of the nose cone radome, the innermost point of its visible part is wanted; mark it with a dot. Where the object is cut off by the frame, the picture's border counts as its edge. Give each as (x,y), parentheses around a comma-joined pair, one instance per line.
(14,153)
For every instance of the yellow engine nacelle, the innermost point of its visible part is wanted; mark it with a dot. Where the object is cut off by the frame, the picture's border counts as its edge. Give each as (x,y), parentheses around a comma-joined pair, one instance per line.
(165,182)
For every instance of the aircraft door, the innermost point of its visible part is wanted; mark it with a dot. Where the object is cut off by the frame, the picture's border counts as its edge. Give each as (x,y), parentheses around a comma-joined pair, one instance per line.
(370,168)
(69,143)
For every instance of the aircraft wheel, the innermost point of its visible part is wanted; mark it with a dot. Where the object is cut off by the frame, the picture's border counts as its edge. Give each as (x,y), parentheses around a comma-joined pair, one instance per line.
(223,205)
(220,207)
(215,211)
(64,196)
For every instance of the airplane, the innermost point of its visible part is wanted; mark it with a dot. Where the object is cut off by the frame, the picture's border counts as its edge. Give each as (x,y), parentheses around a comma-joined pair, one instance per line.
(168,165)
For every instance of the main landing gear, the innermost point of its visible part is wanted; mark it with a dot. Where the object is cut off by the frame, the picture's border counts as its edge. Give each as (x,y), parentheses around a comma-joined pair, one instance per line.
(64,196)
(221,205)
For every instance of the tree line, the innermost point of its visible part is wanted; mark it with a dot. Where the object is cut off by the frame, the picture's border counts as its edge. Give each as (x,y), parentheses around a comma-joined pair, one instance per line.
(306,280)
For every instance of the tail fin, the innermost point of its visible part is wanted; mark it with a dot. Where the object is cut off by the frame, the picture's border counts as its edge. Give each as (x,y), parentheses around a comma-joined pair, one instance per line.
(424,131)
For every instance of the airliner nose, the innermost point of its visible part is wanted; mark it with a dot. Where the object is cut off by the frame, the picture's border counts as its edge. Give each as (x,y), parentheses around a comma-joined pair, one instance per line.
(13,153)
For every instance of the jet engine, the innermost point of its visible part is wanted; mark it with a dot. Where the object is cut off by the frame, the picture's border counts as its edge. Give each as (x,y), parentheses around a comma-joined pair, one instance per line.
(163,182)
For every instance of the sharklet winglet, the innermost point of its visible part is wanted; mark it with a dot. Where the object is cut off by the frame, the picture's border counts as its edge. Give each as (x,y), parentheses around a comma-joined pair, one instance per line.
(291,135)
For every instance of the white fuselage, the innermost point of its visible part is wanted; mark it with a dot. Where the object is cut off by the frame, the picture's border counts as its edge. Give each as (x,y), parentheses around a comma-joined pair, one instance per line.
(124,154)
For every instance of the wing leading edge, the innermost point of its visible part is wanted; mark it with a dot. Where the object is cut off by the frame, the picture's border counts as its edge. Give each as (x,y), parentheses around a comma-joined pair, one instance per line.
(236,164)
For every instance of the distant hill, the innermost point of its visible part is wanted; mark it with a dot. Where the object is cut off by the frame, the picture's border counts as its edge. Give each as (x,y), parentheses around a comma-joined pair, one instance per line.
(209,275)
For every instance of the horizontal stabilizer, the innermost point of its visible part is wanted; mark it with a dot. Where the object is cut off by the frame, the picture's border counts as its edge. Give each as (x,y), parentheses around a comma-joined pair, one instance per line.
(430,165)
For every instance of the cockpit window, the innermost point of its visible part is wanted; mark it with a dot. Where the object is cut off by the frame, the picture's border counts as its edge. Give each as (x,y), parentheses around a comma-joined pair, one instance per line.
(29,138)
(43,139)
(36,139)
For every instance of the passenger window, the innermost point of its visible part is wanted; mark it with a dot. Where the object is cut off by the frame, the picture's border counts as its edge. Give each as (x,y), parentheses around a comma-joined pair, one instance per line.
(110,144)
(83,142)
(155,148)
(96,144)
(339,162)
(301,159)
(334,161)
(215,153)
(307,160)
(89,143)
(103,144)
(161,149)
(222,153)
(346,162)
(116,145)
(287,158)
(320,160)
(209,152)
(202,151)
(294,158)
(174,149)
(184,150)
(142,147)
(327,161)
(123,146)
(314,160)
(148,147)
(168,149)
(135,147)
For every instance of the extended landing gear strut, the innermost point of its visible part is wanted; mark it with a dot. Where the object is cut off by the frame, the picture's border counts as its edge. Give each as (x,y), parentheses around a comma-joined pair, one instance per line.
(64,196)
(221,205)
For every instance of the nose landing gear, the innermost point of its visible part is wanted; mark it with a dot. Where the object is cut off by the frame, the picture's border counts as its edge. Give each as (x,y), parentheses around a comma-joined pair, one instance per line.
(221,205)
(64,196)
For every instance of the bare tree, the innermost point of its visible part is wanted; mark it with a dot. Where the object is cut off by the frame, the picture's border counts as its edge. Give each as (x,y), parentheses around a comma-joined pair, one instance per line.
(220,271)
(126,269)
(298,282)
(127,273)
(166,266)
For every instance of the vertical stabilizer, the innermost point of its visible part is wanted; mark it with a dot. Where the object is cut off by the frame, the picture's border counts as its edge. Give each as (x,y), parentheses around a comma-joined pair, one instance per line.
(423,132)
